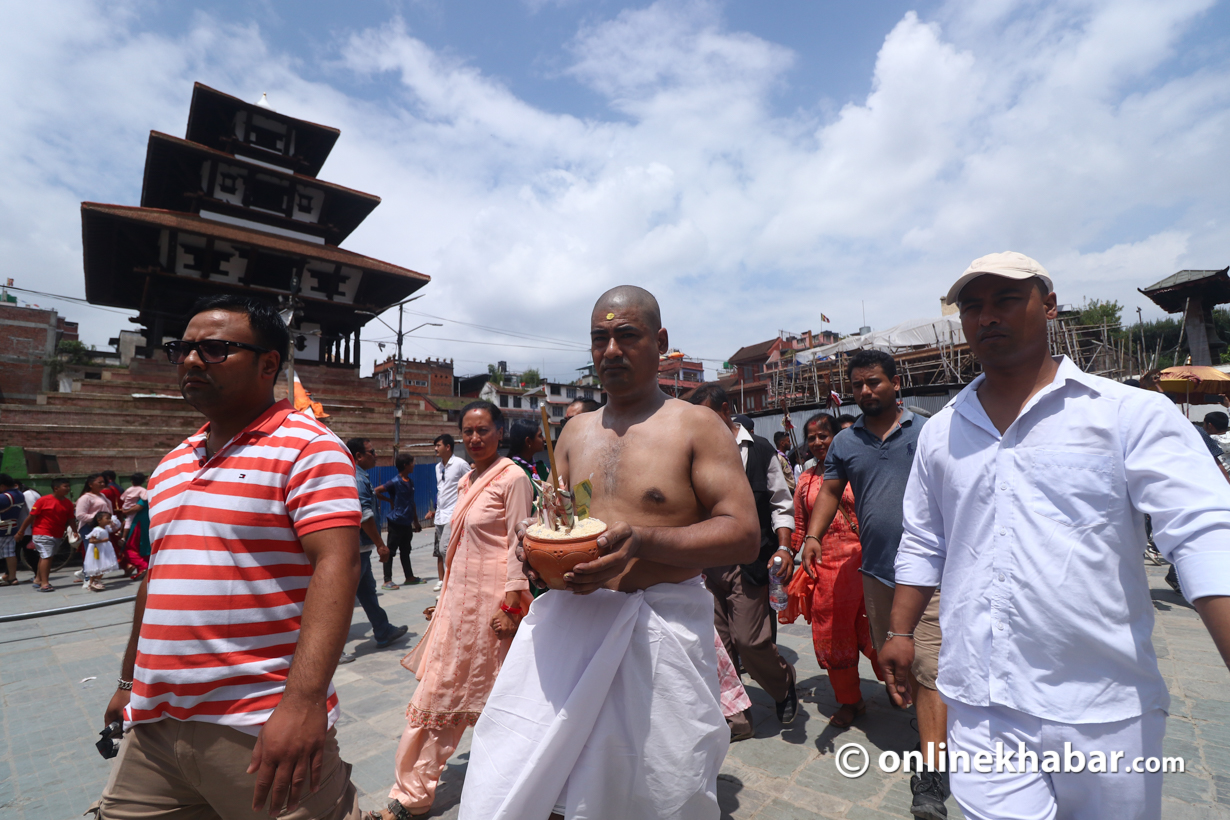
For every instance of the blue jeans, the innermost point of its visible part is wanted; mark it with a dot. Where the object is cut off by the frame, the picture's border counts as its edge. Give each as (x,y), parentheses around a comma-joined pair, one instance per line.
(367,599)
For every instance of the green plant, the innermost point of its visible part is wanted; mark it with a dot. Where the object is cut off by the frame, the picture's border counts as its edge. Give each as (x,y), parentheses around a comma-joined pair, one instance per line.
(1098,312)
(531,378)
(70,353)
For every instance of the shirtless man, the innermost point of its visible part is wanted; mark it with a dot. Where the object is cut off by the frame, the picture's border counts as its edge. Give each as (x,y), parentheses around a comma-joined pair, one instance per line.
(606,689)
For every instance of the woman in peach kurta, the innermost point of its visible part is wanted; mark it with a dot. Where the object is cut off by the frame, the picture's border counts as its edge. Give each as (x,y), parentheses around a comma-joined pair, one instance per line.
(484,597)
(834,603)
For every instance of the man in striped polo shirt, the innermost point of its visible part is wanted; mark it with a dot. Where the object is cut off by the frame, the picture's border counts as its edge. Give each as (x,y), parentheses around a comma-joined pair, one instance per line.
(226,684)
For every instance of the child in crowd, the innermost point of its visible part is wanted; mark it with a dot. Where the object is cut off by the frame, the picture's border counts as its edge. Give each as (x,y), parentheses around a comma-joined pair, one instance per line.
(99,556)
(49,519)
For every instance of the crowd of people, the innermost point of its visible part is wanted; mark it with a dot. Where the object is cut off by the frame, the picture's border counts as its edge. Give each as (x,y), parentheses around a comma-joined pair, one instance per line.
(109,527)
(1025,499)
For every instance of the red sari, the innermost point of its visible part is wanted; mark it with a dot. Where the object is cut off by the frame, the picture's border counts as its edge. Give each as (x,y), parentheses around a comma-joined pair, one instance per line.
(833,602)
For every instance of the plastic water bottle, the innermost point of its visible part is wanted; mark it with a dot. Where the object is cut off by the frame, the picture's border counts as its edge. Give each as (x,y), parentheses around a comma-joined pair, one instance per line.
(777,593)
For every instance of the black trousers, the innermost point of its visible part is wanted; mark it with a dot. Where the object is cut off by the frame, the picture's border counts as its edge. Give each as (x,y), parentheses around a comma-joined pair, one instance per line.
(398,541)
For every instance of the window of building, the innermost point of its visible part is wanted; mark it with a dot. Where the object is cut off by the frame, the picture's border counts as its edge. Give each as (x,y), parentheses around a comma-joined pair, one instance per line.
(557,411)
(417,382)
(228,183)
(533,402)
(570,393)
(555,390)
(503,400)
(589,395)
(517,402)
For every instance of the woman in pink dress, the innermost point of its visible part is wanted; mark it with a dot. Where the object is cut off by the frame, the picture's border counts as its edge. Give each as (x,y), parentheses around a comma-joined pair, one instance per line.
(839,626)
(484,597)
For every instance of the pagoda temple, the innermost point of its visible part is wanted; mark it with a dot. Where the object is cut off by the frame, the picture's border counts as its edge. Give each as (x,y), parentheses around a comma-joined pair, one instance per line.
(1194,293)
(236,207)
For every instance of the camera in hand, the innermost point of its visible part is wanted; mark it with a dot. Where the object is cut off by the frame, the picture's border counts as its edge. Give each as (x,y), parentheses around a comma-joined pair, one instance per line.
(109,740)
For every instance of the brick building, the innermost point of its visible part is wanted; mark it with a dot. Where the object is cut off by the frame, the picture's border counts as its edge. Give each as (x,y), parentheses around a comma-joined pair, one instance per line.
(677,375)
(431,377)
(28,340)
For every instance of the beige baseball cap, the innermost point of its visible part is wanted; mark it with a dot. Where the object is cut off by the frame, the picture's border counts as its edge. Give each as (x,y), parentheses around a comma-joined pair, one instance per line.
(1009,264)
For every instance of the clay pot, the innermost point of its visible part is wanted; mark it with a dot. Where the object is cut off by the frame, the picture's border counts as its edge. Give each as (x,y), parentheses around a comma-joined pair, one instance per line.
(551,558)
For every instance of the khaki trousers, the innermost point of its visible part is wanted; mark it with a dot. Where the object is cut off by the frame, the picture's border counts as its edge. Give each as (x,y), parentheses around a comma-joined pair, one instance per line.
(744,622)
(421,757)
(191,770)
(878,596)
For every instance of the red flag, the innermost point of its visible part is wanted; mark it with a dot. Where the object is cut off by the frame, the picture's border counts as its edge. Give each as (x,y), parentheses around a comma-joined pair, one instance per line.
(825,319)
(834,399)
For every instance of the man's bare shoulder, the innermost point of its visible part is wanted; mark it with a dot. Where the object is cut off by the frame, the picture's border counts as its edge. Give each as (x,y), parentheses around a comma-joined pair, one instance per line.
(699,422)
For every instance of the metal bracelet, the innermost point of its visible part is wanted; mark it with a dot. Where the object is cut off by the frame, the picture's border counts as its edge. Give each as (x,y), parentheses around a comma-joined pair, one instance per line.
(125,684)
(888,635)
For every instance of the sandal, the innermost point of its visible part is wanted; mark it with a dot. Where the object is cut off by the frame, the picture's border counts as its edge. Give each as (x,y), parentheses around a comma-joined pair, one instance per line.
(845,716)
(394,811)
(8,582)
(48,588)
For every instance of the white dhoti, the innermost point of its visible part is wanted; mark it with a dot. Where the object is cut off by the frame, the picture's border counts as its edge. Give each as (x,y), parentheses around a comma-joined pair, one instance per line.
(607,706)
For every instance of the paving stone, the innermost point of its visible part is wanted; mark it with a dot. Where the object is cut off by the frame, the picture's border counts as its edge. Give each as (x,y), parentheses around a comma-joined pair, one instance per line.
(735,799)
(779,809)
(1175,810)
(1207,690)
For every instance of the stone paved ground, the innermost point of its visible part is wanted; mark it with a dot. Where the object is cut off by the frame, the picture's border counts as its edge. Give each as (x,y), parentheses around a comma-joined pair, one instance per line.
(52,712)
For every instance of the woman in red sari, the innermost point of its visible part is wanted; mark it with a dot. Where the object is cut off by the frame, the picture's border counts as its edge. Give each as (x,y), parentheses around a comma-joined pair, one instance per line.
(839,627)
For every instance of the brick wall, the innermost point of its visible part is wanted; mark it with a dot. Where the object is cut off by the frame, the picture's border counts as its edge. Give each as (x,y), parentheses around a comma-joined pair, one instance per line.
(28,336)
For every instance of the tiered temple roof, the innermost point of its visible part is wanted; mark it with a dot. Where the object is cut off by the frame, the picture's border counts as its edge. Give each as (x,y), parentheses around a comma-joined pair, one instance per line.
(236,207)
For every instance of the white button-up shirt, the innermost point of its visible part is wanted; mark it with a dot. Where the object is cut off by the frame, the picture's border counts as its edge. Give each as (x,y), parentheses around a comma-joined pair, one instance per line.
(781,502)
(1036,537)
(447,477)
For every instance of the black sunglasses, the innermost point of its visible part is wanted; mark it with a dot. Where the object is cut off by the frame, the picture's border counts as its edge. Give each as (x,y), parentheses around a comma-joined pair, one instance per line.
(211,351)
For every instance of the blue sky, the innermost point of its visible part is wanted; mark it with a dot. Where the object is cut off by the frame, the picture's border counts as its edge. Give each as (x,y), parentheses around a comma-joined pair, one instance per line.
(753,164)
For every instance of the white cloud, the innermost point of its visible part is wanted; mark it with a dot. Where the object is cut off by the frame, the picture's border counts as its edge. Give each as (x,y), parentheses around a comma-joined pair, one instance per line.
(1064,130)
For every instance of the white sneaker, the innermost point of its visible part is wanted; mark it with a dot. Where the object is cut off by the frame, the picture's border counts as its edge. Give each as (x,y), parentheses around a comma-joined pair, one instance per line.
(86,585)
(80,574)
(439,586)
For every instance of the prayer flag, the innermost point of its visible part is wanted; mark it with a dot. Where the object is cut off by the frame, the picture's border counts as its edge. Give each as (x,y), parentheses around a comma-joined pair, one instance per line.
(825,319)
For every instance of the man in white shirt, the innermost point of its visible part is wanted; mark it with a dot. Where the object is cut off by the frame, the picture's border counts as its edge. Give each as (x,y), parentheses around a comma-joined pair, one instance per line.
(1027,501)
(745,622)
(449,471)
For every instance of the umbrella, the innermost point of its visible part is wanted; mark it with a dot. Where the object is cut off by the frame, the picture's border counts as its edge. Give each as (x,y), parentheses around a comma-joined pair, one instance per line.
(1194,379)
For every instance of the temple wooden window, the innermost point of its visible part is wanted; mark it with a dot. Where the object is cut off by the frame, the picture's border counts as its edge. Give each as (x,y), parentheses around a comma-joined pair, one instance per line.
(228,183)
(267,194)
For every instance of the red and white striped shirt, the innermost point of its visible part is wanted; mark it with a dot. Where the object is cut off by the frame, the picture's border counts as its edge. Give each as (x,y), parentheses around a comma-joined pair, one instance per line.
(228,574)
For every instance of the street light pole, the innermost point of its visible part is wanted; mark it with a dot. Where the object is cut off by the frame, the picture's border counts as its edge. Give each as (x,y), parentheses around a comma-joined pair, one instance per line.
(399,368)
(399,381)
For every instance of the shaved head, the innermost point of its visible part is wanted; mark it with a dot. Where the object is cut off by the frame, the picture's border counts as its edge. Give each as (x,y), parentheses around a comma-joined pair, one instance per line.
(633,299)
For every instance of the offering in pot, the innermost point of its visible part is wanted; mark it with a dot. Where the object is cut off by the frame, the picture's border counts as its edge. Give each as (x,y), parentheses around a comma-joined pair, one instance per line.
(553,552)
(563,536)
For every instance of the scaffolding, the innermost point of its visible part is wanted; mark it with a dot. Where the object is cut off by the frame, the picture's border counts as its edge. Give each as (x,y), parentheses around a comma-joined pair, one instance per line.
(1103,350)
